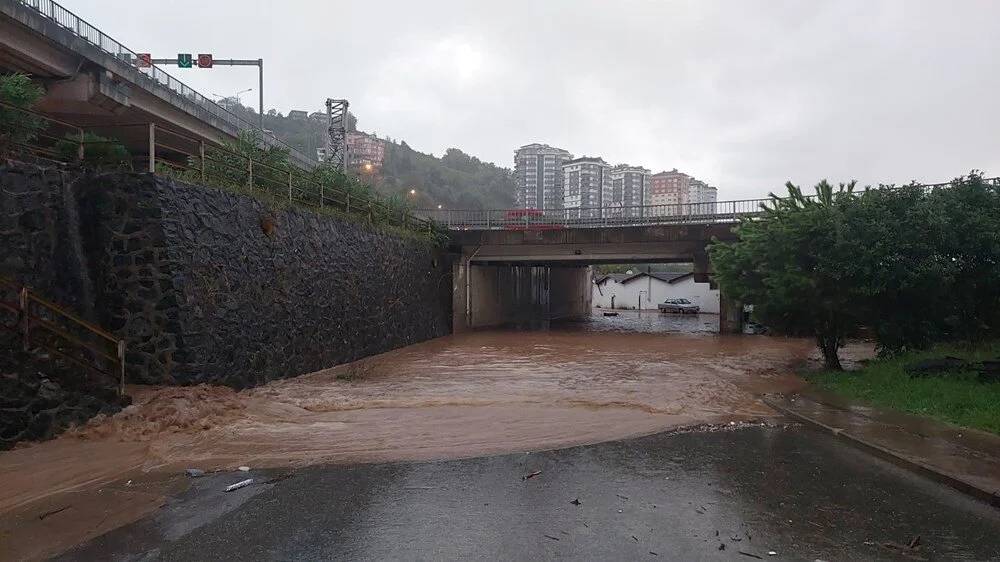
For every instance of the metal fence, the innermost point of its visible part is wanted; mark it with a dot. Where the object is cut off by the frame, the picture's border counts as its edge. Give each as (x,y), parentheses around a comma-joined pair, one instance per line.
(178,155)
(593,217)
(603,217)
(44,324)
(147,76)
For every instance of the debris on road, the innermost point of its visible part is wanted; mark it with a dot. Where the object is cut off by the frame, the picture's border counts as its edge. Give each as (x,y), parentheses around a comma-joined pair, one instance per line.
(53,512)
(532,475)
(722,546)
(551,537)
(624,498)
(772,553)
(750,554)
(194,472)
(653,553)
(244,469)
(240,484)
(576,501)
(635,538)
(909,549)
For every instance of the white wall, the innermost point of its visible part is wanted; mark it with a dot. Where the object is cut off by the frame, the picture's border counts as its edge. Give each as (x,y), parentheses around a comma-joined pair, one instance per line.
(655,291)
(700,294)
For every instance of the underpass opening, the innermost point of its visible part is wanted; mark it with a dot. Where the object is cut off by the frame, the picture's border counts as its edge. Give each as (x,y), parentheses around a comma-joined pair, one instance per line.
(642,296)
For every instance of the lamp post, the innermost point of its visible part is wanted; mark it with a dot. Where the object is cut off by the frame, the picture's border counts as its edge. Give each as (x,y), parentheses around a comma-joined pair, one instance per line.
(236,95)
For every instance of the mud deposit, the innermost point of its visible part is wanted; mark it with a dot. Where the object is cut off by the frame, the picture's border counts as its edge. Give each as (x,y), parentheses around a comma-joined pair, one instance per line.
(468,395)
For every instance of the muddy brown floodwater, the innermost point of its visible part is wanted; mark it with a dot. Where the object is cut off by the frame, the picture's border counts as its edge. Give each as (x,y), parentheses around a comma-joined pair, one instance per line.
(466,395)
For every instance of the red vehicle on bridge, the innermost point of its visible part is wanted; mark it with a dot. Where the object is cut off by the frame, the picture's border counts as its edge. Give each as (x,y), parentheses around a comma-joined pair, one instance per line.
(528,219)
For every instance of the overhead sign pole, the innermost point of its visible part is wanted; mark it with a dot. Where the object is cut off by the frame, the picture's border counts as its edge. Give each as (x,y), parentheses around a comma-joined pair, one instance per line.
(205,60)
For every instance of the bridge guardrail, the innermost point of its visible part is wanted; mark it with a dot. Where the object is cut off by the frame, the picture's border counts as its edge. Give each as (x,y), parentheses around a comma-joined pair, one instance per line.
(594,217)
(602,217)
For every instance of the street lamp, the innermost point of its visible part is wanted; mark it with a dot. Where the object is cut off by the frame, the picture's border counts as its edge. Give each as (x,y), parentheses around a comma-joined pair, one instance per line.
(413,192)
(439,206)
(236,95)
(368,166)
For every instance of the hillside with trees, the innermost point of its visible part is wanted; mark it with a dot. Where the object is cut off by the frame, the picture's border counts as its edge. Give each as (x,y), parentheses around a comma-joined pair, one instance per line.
(455,180)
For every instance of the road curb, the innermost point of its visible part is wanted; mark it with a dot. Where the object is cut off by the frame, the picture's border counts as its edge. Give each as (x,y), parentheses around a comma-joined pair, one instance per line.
(988,496)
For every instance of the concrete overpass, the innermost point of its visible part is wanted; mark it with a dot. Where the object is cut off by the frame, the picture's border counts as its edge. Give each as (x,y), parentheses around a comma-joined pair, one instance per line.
(516,271)
(92,81)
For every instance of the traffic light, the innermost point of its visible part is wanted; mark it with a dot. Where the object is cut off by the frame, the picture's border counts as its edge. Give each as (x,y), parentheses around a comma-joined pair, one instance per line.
(184,60)
(204,60)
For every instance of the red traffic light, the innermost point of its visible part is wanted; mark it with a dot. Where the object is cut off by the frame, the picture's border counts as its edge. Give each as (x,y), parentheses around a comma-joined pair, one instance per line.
(144,60)
(204,60)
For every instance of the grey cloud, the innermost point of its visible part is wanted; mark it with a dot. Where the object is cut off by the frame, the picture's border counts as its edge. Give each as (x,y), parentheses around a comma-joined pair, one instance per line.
(743,94)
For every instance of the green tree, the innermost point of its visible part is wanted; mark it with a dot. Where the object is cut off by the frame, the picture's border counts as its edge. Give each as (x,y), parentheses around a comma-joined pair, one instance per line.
(17,126)
(901,277)
(966,228)
(790,264)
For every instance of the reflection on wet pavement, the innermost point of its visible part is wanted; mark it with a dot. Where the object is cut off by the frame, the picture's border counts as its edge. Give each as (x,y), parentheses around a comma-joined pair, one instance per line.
(690,496)
(646,321)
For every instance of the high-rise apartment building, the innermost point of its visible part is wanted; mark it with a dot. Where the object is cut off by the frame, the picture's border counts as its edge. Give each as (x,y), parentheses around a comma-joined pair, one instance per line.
(627,190)
(539,176)
(677,193)
(585,182)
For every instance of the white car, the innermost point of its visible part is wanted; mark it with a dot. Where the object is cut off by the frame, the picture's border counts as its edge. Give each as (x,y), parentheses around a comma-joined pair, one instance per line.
(682,306)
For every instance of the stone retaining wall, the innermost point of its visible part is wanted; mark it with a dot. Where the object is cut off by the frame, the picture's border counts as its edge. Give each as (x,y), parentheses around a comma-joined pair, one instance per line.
(211,286)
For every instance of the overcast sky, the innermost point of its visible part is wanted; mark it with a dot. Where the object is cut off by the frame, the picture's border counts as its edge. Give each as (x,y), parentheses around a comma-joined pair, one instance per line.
(745,95)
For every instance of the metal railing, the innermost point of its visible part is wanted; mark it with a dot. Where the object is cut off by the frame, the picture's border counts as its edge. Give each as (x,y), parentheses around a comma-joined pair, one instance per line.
(42,323)
(603,217)
(193,160)
(594,217)
(151,75)
(212,165)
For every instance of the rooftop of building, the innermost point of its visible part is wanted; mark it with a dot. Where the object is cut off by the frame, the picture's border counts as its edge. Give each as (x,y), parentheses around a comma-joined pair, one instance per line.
(623,278)
(540,147)
(586,160)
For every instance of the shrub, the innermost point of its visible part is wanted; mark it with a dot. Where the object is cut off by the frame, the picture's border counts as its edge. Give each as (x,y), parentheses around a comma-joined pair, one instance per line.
(98,152)
(19,127)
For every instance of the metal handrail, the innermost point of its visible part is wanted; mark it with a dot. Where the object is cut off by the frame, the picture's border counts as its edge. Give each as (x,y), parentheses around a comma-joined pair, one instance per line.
(297,182)
(29,321)
(126,57)
(597,217)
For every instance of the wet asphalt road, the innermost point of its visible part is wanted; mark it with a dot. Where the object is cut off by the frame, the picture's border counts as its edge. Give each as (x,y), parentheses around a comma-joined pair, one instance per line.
(682,496)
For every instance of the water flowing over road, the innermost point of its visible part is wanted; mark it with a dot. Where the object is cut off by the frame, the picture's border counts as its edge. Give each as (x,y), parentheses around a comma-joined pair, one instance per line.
(472,394)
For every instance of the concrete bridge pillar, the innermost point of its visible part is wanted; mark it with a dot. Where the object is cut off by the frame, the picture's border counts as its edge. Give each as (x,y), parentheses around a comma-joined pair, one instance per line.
(730,315)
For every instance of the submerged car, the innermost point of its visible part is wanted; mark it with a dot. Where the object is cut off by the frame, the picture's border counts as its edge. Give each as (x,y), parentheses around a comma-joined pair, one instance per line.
(681,306)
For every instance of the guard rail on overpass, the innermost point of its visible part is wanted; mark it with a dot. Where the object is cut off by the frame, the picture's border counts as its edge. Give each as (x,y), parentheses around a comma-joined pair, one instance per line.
(593,217)
(717,212)
(70,32)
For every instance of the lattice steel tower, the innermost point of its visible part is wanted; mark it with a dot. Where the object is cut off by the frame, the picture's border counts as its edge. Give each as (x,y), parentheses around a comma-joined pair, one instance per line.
(336,147)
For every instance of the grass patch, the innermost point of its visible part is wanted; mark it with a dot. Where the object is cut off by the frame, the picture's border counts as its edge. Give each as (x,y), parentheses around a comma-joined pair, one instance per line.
(955,398)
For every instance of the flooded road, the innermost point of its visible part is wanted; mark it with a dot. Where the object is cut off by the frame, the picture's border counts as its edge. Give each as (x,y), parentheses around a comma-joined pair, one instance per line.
(466,395)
